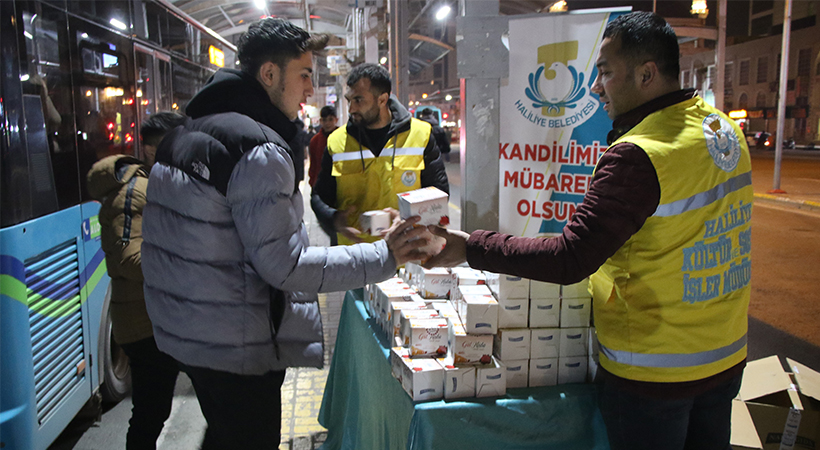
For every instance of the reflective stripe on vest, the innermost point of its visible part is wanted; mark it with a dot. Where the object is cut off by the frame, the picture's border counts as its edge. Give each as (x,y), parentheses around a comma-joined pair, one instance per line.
(364,154)
(704,198)
(673,360)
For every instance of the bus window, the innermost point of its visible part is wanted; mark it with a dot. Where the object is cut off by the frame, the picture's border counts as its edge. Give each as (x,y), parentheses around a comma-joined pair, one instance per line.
(47,150)
(105,95)
(188,80)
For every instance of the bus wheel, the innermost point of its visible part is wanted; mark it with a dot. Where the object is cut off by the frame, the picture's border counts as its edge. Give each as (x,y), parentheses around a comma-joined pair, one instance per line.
(116,371)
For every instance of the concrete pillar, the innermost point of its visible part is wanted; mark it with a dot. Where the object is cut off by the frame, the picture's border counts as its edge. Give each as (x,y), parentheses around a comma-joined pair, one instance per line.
(399,49)
(482,62)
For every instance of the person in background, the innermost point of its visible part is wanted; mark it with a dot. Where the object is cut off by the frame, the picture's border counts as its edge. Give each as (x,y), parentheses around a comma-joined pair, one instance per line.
(327,121)
(671,323)
(382,151)
(230,278)
(439,133)
(119,182)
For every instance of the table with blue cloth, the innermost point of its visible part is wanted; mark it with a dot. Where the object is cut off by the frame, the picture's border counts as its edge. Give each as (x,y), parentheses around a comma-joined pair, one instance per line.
(365,408)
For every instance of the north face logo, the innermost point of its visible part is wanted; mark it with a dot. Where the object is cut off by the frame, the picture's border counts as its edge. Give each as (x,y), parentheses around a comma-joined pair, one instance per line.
(201,169)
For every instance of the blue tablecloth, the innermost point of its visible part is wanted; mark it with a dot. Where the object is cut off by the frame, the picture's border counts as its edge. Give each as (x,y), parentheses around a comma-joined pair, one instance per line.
(365,408)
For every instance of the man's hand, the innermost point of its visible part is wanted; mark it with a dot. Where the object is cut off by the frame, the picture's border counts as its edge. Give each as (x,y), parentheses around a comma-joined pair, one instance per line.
(455,250)
(405,240)
(340,224)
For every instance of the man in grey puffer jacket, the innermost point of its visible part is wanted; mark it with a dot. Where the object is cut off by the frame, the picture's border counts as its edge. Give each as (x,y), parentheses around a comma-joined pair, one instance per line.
(230,279)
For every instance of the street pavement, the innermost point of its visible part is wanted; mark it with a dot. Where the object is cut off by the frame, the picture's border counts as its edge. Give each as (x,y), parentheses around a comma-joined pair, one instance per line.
(303,388)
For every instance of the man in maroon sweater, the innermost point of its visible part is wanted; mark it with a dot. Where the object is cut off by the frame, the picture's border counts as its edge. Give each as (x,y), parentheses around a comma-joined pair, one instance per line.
(637,76)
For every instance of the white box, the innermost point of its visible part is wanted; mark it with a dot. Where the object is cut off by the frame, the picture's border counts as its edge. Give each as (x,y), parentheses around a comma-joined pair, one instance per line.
(413,273)
(459,292)
(436,283)
(470,348)
(574,342)
(572,369)
(540,289)
(491,380)
(592,368)
(577,290)
(459,381)
(426,337)
(480,314)
(468,276)
(545,312)
(513,313)
(374,223)
(394,315)
(423,378)
(517,373)
(575,312)
(397,355)
(404,322)
(429,203)
(510,286)
(512,344)
(545,343)
(543,372)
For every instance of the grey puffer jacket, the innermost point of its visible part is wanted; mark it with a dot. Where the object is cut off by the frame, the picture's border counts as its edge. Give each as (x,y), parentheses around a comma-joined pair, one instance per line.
(230,279)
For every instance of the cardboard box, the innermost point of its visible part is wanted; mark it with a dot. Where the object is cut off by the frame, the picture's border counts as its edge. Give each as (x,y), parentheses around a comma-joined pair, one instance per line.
(517,373)
(459,381)
(575,312)
(480,314)
(513,313)
(577,290)
(470,348)
(491,379)
(426,337)
(469,277)
(429,203)
(545,312)
(510,287)
(436,283)
(540,289)
(572,369)
(374,223)
(784,408)
(423,378)
(545,343)
(393,328)
(543,372)
(512,344)
(397,355)
(574,342)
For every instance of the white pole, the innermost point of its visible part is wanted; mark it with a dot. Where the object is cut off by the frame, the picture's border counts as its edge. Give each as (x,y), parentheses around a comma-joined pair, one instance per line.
(720,56)
(781,101)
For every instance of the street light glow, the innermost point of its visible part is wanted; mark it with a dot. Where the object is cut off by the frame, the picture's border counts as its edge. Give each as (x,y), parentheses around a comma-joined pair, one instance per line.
(443,12)
(260,4)
(383,60)
(448,97)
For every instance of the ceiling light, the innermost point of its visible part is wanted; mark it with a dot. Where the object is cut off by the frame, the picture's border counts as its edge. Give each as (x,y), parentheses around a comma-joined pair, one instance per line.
(260,4)
(443,12)
(383,60)
(118,24)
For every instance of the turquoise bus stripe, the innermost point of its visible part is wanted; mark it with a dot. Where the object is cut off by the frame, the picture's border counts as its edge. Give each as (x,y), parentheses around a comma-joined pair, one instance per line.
(673,360)
(704,198)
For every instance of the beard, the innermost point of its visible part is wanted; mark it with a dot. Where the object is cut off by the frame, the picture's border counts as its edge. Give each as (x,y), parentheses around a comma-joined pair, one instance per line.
(366,118)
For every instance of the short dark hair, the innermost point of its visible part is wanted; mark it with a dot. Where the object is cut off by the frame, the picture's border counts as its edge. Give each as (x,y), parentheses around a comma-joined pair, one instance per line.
(379,77)
(646,36)
(158,125)
(277,41)
(327,111)
(426,112)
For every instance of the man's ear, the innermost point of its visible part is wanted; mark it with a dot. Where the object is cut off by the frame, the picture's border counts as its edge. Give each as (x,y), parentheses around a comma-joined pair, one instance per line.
(268,74)
(647,73)
(383,98)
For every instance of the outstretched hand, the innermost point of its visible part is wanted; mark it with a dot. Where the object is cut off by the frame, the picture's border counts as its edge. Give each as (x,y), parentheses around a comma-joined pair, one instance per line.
(340,224)
(406,240)
(455,249)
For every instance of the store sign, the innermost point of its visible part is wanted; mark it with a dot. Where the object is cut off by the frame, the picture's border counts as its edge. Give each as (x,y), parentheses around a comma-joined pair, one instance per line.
(216,56)
(553,129)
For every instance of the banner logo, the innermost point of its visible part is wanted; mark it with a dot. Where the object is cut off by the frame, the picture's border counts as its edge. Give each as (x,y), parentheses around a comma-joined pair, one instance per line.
(558,89)
(722,142)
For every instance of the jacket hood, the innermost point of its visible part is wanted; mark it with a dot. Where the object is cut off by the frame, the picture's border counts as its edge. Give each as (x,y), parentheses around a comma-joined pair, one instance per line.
(231,90)
(401,119)
(109,174)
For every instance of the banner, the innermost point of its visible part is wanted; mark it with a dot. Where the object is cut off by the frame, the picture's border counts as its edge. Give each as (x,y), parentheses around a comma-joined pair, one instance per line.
(553,129)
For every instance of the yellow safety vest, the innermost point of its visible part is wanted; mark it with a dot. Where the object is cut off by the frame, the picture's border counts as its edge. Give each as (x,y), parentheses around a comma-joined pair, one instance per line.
(671,304)
(368,182)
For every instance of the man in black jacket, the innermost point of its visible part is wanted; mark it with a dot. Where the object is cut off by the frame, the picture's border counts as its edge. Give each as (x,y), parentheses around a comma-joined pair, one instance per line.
(381,152)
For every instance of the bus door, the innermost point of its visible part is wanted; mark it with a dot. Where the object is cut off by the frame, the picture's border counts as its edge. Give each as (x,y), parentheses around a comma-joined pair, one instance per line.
(153,80)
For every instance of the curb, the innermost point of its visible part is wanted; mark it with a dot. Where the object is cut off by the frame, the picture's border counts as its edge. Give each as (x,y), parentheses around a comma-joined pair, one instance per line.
(801,204)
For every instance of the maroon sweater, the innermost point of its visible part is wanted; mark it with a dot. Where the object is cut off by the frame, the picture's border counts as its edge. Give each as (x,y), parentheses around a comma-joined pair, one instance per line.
(623,193)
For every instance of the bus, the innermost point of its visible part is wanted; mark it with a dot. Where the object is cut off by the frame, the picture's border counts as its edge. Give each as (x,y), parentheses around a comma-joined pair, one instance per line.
(435,110)
(78,78)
